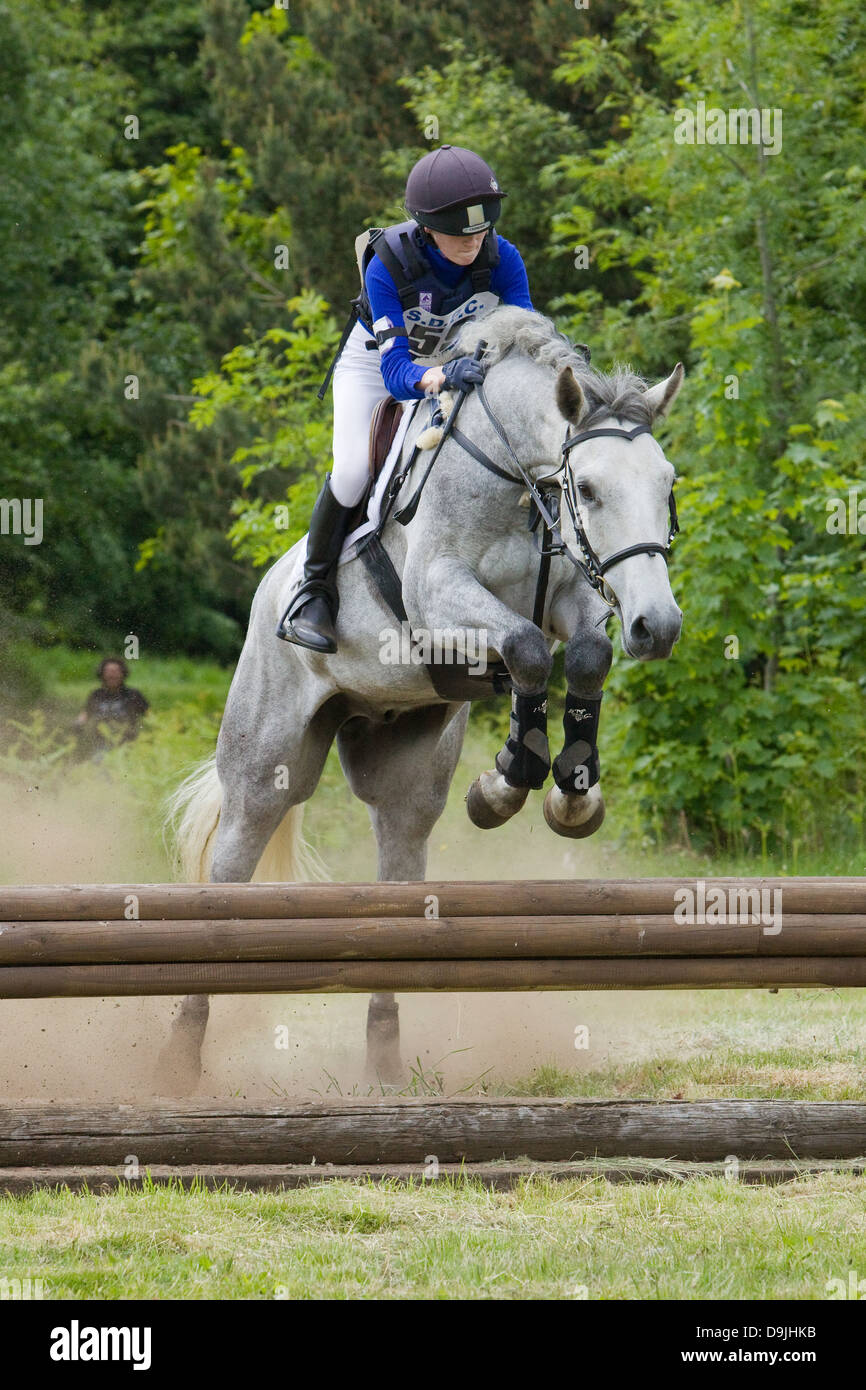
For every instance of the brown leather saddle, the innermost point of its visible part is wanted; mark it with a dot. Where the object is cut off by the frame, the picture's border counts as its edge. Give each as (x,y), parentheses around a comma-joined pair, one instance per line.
(387,414)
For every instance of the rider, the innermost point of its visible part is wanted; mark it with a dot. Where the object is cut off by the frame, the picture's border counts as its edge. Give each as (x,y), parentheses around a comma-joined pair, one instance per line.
(427,277)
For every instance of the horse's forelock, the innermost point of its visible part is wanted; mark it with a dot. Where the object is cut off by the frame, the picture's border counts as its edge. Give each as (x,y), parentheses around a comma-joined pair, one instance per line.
(619,393)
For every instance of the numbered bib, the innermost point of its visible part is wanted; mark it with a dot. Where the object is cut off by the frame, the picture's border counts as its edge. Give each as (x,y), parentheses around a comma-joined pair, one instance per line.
(430,335)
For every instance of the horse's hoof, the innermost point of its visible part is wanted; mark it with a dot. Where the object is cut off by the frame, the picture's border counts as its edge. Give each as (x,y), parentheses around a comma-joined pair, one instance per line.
(384,1063)
(482,812)
(387,1074)
(577,817)
(177,1072)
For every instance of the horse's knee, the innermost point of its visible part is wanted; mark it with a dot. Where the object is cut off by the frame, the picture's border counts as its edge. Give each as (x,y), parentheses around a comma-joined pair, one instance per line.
(527,656)
(588,660)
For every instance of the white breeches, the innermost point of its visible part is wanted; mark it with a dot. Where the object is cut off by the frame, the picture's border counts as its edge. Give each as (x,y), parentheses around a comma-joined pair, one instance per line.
(357,386)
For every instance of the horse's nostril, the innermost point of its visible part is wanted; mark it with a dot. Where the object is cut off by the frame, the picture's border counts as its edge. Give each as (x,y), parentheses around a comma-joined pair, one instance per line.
(640,631)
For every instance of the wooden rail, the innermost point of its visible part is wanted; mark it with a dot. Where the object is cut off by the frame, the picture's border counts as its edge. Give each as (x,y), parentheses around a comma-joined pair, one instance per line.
(127,939)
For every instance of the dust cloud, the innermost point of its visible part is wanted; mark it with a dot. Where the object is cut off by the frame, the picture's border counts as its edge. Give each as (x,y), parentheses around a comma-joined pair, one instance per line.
(84,1050)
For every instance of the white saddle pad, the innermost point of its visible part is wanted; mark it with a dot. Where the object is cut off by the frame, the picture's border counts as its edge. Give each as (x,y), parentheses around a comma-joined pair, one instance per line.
(374,506)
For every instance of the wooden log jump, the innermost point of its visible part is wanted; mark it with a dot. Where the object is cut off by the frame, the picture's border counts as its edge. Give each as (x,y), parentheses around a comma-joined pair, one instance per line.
(554,898)
(426,976)
(116,939)
(417,939)
(407,1131)
(502,1174)
(145,939)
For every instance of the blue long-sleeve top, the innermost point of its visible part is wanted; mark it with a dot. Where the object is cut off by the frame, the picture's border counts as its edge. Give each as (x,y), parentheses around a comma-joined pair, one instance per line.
(399,373)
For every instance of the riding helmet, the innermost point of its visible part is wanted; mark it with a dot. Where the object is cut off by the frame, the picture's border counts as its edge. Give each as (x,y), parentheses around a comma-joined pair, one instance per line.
(455,191)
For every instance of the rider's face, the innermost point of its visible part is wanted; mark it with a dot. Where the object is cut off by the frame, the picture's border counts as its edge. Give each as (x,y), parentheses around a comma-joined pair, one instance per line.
(462,250)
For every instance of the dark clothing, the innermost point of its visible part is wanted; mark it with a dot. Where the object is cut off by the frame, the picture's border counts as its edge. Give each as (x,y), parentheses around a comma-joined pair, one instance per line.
(113,716)
(125,704)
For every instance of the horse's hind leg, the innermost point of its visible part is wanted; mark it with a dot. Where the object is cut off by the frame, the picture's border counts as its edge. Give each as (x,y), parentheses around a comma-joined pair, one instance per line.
(261,782)
(402,770)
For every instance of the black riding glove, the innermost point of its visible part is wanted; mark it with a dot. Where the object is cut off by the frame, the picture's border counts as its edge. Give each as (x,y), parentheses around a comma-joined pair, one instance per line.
(463,373)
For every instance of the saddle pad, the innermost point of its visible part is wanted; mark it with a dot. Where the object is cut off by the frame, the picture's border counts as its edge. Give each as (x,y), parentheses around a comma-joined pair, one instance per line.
(374,505)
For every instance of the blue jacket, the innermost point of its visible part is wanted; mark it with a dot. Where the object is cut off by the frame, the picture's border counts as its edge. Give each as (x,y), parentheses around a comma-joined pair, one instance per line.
(400,374)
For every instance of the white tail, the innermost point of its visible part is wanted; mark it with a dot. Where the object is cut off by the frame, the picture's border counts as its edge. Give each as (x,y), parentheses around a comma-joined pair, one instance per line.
(192,817)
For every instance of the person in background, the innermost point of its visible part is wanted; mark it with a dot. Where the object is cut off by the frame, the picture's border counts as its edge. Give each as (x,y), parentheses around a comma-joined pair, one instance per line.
(112,714)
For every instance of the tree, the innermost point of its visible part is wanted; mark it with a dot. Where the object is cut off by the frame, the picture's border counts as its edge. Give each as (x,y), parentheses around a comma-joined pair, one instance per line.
(748,264)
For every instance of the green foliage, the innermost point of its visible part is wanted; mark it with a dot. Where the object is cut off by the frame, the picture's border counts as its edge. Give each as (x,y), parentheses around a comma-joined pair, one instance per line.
(61,201)
(270,385)
(731,252)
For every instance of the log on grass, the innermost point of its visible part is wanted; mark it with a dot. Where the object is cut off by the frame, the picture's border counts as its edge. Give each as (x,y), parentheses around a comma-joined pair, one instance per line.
(408,1131)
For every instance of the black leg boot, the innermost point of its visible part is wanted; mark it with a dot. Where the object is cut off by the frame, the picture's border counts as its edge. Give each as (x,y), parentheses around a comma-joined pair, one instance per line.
(309,620)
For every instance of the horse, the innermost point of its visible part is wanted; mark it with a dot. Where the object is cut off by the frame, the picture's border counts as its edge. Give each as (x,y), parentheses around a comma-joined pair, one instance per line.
(468,565)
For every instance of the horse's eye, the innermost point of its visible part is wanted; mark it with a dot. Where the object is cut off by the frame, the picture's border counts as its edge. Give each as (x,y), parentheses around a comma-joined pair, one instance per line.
(585,492)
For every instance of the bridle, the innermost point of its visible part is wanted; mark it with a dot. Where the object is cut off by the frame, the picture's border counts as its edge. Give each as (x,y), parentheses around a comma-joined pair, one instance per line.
(594,568)
(588,562)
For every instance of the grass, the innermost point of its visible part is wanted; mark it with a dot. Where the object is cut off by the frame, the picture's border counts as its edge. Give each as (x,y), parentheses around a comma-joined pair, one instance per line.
(779,1074)
(703,1239)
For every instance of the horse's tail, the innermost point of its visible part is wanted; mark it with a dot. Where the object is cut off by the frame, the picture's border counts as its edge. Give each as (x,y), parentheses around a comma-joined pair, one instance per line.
(192,817)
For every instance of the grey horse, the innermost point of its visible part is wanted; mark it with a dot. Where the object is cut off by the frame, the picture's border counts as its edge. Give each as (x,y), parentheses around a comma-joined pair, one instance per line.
(469,564)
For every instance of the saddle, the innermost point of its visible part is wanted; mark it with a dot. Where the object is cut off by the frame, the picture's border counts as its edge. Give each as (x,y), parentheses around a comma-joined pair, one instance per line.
(387,414)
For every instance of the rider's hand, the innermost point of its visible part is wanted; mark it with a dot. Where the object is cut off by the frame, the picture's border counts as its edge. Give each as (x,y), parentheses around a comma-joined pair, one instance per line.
(463,373)
(433,380)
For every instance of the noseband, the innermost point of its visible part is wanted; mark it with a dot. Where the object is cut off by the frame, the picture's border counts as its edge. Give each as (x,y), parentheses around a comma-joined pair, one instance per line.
(588,562)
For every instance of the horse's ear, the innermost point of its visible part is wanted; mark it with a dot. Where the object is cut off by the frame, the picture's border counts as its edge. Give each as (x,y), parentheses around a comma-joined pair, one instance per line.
(660,398)
(569,396)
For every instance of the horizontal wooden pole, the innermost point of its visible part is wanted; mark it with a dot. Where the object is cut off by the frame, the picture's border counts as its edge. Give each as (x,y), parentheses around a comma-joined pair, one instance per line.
(499,1175)
(586,897)
(416,938)
(421,976)
(406,1131)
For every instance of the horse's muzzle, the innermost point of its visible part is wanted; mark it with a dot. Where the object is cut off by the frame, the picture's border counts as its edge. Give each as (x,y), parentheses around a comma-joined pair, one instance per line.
(650,636)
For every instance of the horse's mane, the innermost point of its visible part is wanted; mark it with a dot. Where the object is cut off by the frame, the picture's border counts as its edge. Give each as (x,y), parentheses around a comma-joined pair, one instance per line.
(619,393)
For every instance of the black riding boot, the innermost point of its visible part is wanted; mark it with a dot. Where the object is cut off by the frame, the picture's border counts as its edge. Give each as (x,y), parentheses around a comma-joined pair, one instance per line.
(310,617)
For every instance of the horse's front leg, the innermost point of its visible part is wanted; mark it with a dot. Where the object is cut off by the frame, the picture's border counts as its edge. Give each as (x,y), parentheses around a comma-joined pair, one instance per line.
(574,806)
(453,598)
(521,766)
